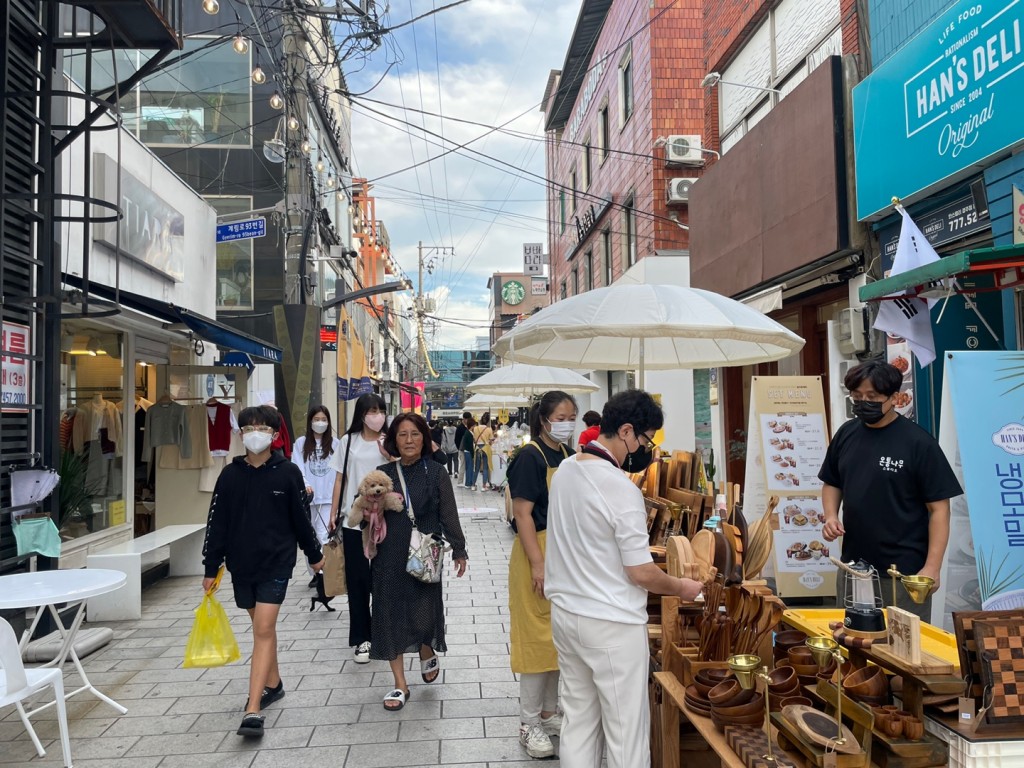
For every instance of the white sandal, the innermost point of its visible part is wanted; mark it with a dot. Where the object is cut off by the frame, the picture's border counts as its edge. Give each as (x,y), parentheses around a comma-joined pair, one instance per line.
(427,666)
(396,695)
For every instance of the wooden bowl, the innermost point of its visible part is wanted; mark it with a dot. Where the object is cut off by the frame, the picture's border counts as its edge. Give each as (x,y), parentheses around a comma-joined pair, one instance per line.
(867,682)
(755,720)
(788,638)
(913,729)
(740,710)
(712,677)
(796,700)
(729,693)
(801,654)
(806,670)
(701,690)
(782,679)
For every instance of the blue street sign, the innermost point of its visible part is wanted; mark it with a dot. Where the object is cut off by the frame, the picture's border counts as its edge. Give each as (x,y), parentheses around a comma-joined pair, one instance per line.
(242,230)
(237,360)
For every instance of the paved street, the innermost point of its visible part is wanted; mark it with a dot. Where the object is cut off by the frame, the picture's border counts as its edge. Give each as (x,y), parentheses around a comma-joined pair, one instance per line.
(332,712)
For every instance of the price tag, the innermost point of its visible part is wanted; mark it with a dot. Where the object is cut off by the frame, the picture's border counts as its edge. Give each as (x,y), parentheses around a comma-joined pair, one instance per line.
(978,719)
(830,760)
(966,706)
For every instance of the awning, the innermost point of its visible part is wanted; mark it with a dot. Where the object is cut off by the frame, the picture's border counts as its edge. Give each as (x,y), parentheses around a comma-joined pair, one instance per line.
(766,301)
(1005,263)
(210,330)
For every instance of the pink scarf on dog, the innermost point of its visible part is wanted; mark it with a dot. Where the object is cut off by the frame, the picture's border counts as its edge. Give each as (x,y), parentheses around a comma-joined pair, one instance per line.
(376,527)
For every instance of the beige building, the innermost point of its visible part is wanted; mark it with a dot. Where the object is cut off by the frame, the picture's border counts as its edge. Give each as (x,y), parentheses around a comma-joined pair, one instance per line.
(514,294)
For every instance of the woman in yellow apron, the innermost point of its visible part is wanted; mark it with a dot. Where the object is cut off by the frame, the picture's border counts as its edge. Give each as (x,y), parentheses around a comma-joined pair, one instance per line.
(534,659)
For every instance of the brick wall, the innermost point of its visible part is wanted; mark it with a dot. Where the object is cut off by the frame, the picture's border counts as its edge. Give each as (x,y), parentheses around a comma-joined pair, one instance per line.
(667,60)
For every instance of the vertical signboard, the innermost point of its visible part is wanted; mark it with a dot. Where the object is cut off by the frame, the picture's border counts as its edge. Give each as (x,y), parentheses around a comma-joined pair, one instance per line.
(987,412)
(533,258)
(787,437)
(15,391)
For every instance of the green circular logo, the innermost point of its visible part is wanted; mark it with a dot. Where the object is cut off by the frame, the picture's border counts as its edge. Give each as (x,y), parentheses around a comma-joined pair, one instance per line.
(513,292)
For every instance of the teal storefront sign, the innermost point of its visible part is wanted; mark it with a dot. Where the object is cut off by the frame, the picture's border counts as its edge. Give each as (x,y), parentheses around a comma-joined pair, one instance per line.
(943,104)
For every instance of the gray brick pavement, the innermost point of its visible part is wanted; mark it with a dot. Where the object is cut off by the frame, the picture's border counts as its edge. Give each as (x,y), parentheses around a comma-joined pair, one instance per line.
(332,713)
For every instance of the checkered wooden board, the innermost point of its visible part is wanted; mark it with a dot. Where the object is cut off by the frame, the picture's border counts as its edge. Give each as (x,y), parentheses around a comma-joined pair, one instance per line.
(750,744)
(963,626)
(1000,646)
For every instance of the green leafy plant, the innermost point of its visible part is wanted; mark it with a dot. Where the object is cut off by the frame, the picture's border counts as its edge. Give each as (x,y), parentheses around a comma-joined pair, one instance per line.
(710,467)
(73,494)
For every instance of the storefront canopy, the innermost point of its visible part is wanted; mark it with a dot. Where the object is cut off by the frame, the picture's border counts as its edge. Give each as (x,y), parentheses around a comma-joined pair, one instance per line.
(205,328)
(1005,263)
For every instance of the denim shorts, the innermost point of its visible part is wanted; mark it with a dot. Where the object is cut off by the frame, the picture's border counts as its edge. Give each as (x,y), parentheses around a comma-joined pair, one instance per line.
(248,593)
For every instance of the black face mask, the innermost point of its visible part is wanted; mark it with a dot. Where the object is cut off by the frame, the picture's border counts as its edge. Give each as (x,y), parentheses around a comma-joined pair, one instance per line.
(638,460)
(867,411)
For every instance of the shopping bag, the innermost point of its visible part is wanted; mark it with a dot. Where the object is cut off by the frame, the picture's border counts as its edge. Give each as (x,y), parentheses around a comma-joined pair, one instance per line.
(211,643)
(36,536)
(334,567)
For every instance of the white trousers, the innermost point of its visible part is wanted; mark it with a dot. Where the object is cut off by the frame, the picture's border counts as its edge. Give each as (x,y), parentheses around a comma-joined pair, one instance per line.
(604,667)
(538,692)
(319,515)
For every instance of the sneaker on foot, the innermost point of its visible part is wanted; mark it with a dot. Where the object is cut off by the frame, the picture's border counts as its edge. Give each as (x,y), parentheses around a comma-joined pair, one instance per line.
(270,695)
(537,743)
(362,653)
(252,726)
(552,725)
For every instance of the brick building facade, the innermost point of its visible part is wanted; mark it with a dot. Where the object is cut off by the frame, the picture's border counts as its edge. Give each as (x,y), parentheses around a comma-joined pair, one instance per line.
(629,78)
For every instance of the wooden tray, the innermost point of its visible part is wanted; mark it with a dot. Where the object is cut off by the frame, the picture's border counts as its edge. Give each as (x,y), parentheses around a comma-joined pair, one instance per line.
(930,665)
(1000,644)
(963,626)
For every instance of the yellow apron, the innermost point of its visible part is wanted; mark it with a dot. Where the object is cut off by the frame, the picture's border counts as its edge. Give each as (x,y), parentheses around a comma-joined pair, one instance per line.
(533,650)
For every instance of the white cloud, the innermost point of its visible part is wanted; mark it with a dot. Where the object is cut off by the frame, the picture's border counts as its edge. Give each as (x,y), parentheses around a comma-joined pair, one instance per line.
(495,56)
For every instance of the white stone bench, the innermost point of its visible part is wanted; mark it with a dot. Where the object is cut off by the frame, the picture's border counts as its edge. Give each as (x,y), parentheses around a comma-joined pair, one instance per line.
(185,543)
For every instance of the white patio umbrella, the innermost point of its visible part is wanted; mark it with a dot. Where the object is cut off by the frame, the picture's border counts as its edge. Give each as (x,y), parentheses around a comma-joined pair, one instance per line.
(518,380)
(630,327)
(496,401)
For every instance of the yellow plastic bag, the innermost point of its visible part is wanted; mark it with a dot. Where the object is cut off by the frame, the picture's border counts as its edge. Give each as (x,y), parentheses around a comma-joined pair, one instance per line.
(211,643)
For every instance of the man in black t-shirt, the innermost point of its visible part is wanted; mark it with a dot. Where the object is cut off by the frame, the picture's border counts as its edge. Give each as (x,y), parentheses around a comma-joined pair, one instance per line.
(894,483)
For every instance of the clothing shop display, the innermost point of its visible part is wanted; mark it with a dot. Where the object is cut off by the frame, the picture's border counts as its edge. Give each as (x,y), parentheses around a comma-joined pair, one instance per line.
(98,420)
(221,424)
(167,424)
(196,454)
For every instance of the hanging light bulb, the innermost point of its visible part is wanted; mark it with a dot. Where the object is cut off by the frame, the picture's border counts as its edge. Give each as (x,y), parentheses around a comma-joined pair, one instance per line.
(304,146)
(276,101)
(293,123)
(211,7)
(340,196)
(351,209)
(320,166)
(240,44)
(330,181)
(258,75)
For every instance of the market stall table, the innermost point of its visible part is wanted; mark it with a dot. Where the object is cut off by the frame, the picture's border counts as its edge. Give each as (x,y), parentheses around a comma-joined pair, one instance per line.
(48,589)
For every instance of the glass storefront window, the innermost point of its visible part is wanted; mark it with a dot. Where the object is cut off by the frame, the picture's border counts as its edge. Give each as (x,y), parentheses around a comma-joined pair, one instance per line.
(205,99)
(234,259)
(92,430)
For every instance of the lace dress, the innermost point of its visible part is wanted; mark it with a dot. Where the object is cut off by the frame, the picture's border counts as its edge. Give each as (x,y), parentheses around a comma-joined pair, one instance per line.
(406,612)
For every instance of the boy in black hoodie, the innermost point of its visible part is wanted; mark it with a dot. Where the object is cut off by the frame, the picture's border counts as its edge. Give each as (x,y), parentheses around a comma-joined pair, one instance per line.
(256,519)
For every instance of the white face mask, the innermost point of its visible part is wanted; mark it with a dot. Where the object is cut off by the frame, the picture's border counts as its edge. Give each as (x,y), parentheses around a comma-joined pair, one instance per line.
(375,421)
(562,431)
(319,427)
(257,442)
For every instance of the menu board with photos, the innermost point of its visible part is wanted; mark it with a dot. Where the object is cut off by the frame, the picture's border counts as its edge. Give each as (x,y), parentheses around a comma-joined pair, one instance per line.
(786,445)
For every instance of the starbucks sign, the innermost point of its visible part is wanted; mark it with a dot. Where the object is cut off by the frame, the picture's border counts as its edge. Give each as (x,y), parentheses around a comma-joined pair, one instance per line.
(513,292)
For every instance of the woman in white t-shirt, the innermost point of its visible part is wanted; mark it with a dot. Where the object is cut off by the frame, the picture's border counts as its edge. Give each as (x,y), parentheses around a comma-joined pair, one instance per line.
(312,454)
(597,573)
(360,452)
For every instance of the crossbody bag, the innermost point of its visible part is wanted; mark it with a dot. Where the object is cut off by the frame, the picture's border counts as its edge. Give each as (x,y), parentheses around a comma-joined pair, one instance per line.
(426,550)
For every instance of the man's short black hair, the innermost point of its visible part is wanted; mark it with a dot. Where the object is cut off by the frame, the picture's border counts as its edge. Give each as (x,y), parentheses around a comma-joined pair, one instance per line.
(466,415)
(591,418)
(634,406)
(885,378)
(260,415)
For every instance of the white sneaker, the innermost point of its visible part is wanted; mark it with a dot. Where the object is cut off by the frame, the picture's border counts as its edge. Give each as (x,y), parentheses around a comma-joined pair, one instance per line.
(362,653)
(537,743)
(552,725)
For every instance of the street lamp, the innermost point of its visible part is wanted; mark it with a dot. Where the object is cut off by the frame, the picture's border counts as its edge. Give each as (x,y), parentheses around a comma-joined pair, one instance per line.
(712,79)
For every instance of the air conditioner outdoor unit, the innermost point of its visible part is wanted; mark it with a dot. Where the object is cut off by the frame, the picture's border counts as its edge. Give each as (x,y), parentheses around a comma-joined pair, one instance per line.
(679,189)
(684,149)
(850,331)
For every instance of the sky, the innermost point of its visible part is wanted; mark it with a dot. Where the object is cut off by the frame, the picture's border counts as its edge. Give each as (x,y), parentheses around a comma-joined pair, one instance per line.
(485,61)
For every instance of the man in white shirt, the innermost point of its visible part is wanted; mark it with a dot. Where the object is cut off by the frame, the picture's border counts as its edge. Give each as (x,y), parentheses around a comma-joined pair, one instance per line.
(598,571)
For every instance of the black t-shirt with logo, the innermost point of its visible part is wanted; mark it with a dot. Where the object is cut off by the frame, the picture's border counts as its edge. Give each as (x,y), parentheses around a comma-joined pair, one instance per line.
(528,478)
(887,475)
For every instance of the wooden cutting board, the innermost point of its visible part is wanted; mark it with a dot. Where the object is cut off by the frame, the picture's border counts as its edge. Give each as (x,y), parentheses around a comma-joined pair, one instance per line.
(678,552)
(820,729)
(963,626)
(751,744)
(703,546)
(1001,657)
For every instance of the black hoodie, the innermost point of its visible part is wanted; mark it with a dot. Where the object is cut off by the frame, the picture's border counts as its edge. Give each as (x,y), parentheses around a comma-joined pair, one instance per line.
(256,518)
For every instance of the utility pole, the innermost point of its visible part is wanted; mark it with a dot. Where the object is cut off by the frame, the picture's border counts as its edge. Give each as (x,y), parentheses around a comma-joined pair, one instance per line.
(420,310)
(296,185)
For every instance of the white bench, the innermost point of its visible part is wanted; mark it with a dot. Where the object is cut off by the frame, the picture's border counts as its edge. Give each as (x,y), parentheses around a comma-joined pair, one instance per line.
(133,557)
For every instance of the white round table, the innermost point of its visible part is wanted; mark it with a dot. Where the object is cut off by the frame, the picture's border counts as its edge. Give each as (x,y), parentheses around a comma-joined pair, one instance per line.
(48,589)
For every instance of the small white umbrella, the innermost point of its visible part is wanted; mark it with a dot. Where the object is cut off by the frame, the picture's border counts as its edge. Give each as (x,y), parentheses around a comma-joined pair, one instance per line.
(629,327)
(518,380)
(496,401)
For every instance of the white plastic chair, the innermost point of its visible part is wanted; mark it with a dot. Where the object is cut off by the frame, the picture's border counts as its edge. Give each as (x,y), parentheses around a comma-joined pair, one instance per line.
(18,683)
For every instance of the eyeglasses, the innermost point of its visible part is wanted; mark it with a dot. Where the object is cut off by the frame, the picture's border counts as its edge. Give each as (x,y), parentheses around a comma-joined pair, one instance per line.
(249,429)
(875,397)
(406,435)
(649,444)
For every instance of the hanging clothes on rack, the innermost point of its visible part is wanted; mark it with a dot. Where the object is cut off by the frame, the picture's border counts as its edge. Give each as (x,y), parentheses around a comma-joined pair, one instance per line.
(167,424)
(198,447)
(221,424)
(98,420)
(208,475)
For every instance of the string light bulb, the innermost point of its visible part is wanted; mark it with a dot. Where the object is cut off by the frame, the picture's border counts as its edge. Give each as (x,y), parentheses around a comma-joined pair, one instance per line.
(330,181)
(304,146)
(293,123)
(258,75)
(211,7)
(340,196)
(240,44)
(276,101)
(320,166)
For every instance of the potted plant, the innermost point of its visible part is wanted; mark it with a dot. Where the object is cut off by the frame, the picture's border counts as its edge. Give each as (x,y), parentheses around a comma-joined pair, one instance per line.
(73,496)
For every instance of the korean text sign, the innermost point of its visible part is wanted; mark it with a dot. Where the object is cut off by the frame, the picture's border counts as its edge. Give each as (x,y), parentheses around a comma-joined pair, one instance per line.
(15,392)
